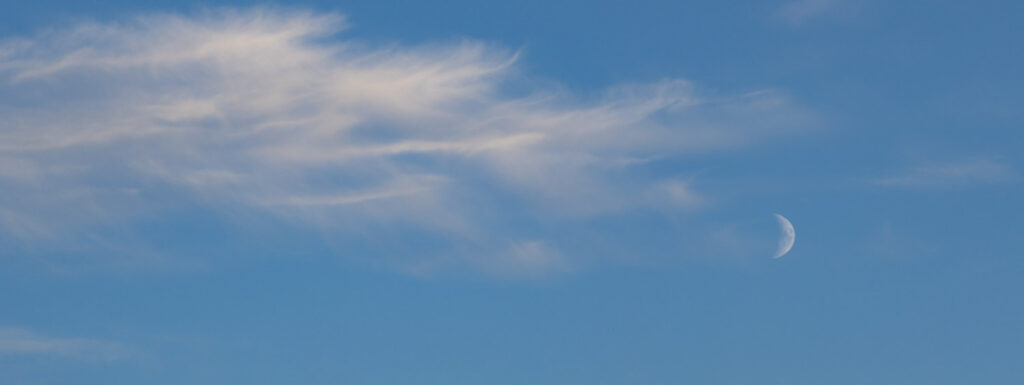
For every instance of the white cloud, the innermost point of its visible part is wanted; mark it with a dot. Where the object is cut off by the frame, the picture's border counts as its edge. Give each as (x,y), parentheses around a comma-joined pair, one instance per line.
(21,342)
(949,174)
(273,111)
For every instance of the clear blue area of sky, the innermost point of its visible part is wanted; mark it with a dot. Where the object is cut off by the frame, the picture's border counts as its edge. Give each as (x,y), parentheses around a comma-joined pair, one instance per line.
(918,283)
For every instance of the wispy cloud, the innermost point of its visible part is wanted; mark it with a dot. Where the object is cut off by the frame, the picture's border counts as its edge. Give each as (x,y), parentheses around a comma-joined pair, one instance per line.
(274,111)
(15,341)
(949,174)
(797,12)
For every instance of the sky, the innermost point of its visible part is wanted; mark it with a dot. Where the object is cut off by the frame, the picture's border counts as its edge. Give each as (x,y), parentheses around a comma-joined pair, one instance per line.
(534,192)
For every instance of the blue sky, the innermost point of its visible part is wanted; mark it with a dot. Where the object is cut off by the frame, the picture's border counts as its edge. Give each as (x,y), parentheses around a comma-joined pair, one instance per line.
(539,192)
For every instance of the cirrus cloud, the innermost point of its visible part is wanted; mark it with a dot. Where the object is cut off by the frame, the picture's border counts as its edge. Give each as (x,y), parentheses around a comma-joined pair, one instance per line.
(970,172)
(276,112)
(23,342)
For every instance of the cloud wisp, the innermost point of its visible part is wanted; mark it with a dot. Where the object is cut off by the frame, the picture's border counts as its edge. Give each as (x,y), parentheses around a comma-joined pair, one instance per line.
(275,112)
(22,342)
(951,174)
(796,12)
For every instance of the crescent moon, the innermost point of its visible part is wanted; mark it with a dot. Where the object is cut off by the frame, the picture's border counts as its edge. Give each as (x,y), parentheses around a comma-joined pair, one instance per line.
(788,236)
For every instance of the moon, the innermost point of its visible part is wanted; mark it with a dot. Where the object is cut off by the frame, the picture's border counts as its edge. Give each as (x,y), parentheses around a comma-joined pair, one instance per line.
(787,238)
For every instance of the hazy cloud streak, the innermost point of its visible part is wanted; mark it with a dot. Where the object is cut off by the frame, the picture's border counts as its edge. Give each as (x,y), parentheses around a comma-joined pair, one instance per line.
(797,12)
(949,174)
(272,111)
(15,341)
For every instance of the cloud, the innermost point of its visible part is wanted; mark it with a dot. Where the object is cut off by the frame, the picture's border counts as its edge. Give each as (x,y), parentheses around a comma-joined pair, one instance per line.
(893,242)
(21,342)
(797,12)
(950,174)
(275,112)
